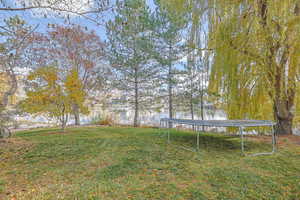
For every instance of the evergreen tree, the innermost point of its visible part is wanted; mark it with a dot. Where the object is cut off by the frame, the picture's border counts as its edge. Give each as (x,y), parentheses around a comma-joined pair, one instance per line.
(130,45)
(170,49)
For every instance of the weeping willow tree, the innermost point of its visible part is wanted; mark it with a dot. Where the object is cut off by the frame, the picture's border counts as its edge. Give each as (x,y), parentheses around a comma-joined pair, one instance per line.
(256,59)
(256,51)
(196,67)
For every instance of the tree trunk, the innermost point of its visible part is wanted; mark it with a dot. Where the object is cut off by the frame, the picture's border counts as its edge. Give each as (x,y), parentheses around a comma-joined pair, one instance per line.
(170,94)
(13,86)
(202,108)
(77,118)
(76,114)
(4,132)
(284,118)
(136,101)
(4,101)
(284,89)
(63,118)
(63,126)
(192,108)
(64,122)
(284,126)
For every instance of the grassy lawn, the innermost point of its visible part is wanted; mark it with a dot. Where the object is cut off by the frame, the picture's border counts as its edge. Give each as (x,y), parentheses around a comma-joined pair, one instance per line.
(136,163)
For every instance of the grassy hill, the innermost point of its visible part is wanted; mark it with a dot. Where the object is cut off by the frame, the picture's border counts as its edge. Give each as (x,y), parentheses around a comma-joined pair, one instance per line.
(137,163)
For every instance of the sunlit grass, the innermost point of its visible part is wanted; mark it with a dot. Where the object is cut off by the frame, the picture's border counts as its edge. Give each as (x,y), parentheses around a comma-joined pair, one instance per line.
(137,163)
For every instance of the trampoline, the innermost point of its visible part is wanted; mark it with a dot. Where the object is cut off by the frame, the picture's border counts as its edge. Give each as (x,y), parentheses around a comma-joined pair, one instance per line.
(240,124)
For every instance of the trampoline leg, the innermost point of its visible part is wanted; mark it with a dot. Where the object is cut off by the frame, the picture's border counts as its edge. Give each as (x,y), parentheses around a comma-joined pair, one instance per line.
(273,140)
(242,140)
(273,145)
(198,141)
(168,132)
(160,127)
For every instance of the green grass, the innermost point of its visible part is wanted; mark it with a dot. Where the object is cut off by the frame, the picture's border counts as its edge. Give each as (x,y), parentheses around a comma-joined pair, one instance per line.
(137,163)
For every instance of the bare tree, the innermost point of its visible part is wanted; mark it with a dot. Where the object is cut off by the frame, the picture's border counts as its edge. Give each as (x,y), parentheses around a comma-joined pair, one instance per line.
(91,10)
(16,36)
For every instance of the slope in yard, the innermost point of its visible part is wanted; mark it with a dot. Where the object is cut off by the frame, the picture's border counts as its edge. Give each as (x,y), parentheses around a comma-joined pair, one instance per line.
(137,163)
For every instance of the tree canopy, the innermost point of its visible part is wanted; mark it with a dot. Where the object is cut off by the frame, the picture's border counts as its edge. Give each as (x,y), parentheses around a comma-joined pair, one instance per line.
(52,96)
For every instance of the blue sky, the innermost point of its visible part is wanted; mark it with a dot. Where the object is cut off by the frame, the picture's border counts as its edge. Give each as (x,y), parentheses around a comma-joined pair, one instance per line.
(32,18)
(43,22)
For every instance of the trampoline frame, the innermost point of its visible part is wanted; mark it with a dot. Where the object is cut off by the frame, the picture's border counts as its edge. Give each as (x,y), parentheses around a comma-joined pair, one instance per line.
(241,124)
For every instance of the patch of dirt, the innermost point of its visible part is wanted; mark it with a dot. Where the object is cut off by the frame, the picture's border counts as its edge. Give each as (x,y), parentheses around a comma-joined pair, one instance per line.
(13,142)
(281,140)
(294,139)
(12,148)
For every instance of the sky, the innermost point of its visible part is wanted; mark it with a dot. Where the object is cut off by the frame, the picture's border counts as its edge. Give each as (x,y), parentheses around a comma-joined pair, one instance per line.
(37,17)
(43,22)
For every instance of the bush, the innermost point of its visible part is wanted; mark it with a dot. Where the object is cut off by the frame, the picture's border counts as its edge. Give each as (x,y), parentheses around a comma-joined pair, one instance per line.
(95,120)
(107,121)
(104,121)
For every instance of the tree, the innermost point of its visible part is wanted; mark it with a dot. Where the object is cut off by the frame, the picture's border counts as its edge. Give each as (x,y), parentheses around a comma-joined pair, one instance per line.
(197,66)
(256,62)
(47,93)
(169,48)
(87,9)
(73,47)
(129,42)
(16,36)
(257,59)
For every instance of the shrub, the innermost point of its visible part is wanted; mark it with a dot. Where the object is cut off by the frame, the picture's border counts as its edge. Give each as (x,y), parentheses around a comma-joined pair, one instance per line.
(95,120)
(103,120)
(107,121)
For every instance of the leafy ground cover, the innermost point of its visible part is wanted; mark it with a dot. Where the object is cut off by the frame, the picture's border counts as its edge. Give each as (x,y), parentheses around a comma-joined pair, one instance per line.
(137,163)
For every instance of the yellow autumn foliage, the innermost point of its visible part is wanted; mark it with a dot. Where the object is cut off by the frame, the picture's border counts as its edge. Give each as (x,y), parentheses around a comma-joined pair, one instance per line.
(53,95)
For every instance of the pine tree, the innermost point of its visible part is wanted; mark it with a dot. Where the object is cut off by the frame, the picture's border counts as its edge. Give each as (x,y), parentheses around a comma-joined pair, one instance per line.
(129,42)
(170,48)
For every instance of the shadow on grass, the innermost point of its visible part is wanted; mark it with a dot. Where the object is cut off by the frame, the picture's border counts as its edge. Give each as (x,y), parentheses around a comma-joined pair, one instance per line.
(216,141)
